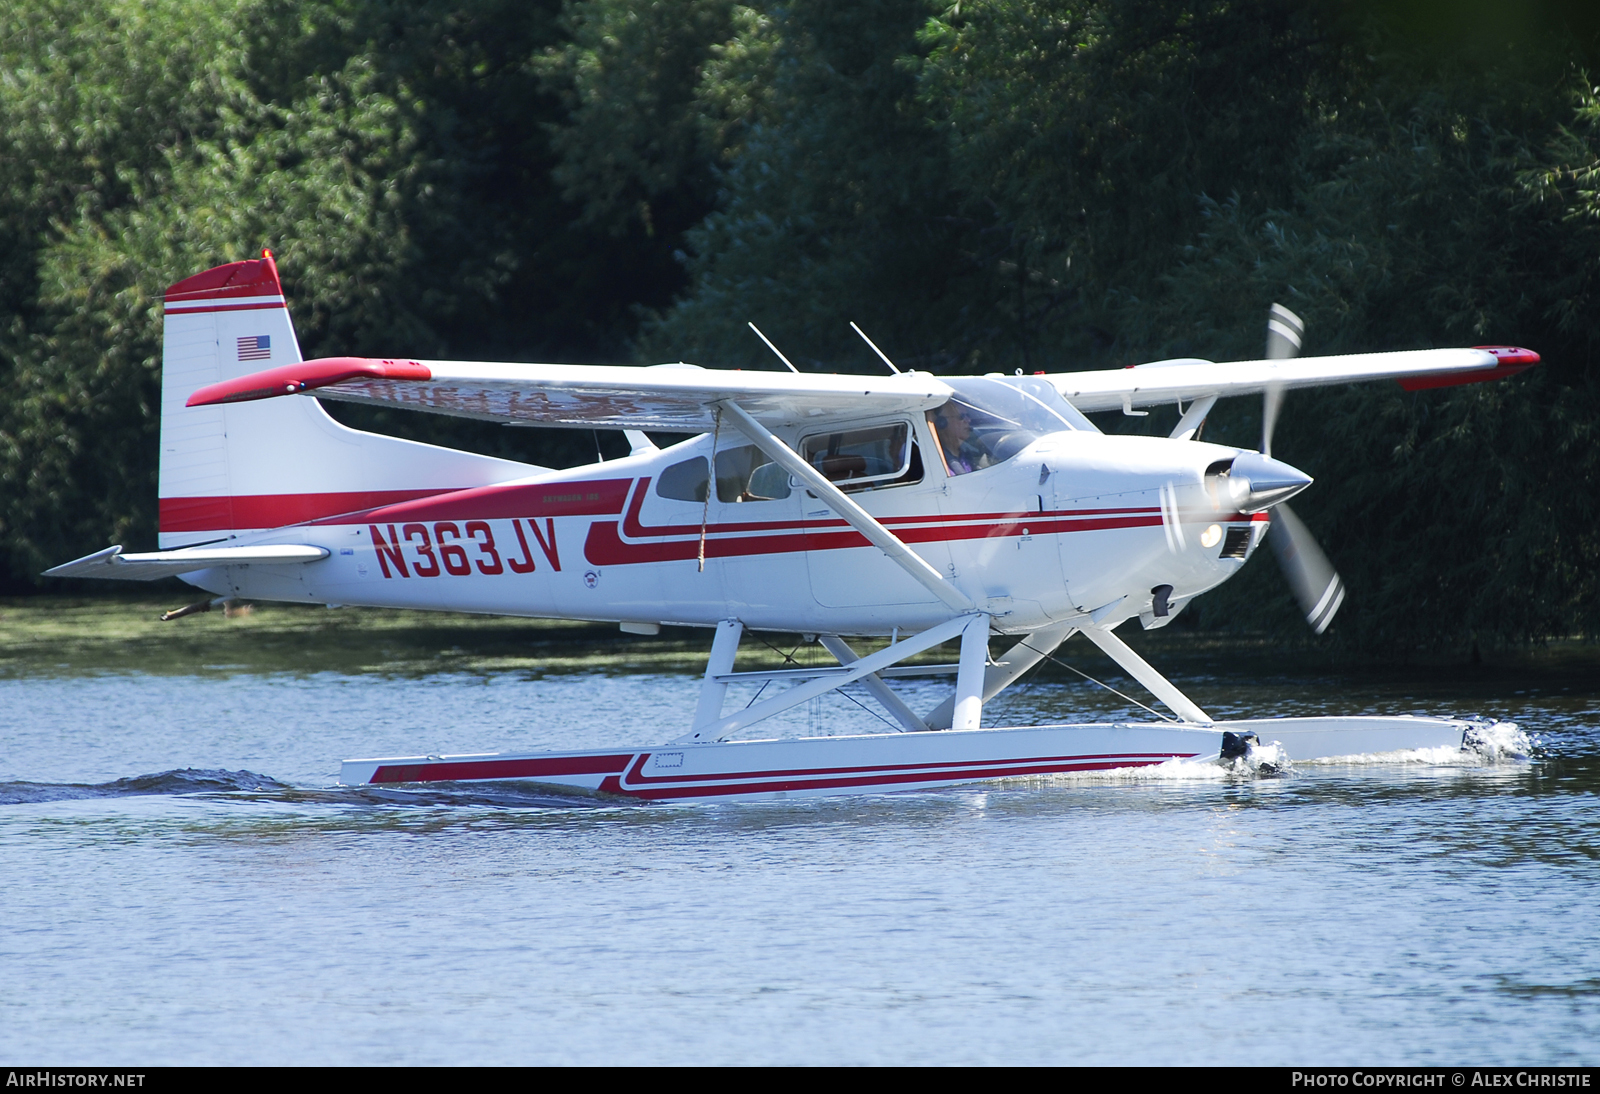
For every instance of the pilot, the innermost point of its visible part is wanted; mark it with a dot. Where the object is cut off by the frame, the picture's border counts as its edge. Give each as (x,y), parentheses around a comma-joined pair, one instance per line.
(954,425)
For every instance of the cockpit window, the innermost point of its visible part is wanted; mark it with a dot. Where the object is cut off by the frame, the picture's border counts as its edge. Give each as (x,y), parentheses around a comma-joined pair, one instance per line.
(992,418)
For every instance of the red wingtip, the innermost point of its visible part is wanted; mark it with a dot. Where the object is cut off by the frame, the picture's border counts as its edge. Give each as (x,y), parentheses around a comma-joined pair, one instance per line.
(305,376)
(1509,360)
(1512,355)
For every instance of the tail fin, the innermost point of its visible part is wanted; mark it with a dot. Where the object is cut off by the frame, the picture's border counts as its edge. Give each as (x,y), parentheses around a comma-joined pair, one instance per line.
(248,466)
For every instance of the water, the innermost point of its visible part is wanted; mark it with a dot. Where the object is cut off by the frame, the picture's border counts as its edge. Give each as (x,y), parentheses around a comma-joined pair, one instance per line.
(184,883)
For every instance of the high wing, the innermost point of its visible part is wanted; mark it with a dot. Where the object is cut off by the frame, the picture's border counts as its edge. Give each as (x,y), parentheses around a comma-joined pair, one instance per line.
(112,563)
(683,398)
(670,398)
(1171,381)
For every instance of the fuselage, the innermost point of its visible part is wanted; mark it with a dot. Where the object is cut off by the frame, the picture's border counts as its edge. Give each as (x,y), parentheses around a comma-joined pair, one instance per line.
(1062,525)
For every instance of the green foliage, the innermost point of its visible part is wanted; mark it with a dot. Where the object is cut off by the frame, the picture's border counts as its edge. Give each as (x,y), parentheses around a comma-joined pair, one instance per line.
(1036,184)
(836,206)
(1123,182)
(393,155)
(645,123)
(1460,517)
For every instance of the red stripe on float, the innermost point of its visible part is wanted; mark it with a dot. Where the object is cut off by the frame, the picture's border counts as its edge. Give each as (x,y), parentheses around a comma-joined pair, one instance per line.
(501,769)
(903,781)
(927,767)
(630,767)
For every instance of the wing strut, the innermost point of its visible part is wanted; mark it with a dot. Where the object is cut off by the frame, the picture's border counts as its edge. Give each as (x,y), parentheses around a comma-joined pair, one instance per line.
(857,517)
(1193,418)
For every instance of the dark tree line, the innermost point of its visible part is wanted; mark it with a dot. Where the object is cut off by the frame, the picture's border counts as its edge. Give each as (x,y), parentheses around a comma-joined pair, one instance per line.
(1035,184)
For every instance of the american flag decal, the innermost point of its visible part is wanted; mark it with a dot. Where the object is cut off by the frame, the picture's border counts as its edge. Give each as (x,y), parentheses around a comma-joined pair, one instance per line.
(257,347)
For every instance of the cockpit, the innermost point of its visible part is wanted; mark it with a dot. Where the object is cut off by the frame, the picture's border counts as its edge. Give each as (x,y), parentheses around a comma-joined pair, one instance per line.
(992,418)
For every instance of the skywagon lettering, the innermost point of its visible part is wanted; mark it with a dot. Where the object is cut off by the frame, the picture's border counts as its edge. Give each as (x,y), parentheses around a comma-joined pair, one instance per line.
(460,548)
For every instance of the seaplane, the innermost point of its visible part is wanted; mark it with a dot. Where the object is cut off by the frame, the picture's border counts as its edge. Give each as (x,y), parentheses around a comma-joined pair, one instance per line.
(848,509)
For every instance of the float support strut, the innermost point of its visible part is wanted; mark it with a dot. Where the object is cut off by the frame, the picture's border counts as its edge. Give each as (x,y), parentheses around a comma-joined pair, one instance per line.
(1019,659)
(723,648)
(874,683)
(968,710)
(865,666)
(1136,667)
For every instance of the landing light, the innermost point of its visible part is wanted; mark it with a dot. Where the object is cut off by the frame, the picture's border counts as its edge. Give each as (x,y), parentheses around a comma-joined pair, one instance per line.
(1211,536)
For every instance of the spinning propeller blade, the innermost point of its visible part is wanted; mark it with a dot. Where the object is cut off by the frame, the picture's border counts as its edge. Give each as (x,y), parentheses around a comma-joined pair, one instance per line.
(1316,585)
(1285,332)
(1271,403)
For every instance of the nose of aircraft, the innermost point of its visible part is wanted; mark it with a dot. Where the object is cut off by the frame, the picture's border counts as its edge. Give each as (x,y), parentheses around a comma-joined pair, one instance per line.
(1257,482)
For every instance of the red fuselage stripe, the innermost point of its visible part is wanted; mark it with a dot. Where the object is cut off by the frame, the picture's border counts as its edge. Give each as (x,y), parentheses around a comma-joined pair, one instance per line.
(272,510)
(611,497)
(596,497)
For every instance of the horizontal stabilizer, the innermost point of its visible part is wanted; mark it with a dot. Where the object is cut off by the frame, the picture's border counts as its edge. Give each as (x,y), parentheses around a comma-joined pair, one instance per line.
(112,563)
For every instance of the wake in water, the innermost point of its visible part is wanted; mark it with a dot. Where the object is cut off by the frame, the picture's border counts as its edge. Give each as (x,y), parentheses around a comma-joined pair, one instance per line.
(187,781)
(1485,744)
(249,786)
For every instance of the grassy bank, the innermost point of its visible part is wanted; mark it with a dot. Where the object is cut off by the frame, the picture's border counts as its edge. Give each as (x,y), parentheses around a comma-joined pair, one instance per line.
(86,634)
(44,635)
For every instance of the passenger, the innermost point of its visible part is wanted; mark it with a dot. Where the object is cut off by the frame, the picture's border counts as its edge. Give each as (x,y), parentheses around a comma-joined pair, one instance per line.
(954,425)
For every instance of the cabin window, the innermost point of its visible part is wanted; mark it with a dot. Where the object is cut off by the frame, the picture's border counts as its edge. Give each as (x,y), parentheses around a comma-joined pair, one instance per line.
(854,459)
(684,481)
(743,474)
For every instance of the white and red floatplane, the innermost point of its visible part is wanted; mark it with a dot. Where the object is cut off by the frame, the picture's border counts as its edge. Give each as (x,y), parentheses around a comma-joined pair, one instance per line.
(919,508)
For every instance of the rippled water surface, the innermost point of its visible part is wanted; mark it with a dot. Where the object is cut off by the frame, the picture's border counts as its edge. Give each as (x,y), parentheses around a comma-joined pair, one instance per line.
(184,882)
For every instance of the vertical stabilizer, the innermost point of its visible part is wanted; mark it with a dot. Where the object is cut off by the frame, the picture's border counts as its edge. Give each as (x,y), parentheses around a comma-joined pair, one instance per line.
(248,466)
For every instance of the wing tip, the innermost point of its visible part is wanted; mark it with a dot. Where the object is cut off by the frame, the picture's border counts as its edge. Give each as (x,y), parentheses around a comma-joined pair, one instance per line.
(305,376)
(1509,360)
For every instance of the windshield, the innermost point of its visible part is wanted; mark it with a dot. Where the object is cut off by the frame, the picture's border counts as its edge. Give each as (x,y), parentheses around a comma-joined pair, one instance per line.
(992,418)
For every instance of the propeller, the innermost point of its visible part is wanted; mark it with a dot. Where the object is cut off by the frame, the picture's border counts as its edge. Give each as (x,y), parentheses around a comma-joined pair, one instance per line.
(1285,332)
(1316,585)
